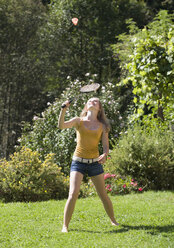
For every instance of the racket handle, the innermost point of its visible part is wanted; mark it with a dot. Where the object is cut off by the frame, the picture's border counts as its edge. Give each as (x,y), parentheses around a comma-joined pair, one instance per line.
(70,101)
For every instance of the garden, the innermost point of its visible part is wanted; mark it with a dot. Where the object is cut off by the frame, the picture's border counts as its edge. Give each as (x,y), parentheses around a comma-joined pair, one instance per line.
(133,61)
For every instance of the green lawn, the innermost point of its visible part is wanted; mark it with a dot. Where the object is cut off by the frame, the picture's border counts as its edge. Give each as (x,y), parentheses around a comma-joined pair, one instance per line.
(147,220)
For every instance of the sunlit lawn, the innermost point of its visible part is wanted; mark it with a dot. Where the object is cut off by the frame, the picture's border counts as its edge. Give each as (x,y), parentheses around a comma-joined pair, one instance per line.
(147,220)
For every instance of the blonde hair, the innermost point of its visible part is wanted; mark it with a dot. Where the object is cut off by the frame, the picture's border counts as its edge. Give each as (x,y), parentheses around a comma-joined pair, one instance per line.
(100,116)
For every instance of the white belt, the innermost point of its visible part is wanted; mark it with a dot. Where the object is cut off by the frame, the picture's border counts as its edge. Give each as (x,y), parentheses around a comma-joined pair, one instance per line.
(85,160)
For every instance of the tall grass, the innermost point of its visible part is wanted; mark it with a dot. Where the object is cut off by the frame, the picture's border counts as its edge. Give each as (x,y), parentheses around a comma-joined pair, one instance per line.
(146,220)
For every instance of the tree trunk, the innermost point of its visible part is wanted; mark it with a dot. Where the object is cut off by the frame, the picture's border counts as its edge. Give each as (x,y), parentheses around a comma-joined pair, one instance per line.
(160,112)
(160,109)
(5,122)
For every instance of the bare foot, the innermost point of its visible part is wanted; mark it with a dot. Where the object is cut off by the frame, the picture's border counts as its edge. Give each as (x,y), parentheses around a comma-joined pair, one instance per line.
(114,223)
(65,229)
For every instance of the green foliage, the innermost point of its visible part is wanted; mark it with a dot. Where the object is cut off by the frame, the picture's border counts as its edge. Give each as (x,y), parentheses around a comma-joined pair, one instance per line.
(75,50)
(40,47)
(26,178)
(114,184)
(150,68)
(22,71)
(146,156)
(87,189)
(157,5)
(44,135)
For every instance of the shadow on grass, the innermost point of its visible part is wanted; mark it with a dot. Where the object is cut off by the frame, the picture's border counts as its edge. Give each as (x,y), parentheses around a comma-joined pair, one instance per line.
(93,231)
(153,230)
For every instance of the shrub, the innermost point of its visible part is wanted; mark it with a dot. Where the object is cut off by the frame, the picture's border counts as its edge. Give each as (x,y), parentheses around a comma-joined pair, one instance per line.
(26,178)
(87,189)
(115,184)
(147,156)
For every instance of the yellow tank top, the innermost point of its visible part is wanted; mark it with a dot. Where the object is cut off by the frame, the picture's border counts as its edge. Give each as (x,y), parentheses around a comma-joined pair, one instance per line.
(87,141)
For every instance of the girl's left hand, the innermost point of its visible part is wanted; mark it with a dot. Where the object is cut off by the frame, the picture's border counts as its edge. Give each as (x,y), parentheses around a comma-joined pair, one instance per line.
(102,158)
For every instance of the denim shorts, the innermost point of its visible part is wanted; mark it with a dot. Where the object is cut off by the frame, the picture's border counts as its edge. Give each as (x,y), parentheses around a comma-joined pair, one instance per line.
(91,170)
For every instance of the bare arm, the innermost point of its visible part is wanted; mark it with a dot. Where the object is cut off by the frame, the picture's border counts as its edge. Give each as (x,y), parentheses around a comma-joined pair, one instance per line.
(105,143)
(66,124)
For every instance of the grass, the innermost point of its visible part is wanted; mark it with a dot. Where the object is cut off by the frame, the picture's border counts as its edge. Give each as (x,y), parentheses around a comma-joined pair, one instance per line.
(147,220)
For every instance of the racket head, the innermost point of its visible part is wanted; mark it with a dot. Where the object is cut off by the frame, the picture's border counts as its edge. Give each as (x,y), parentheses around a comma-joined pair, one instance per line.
(90,87)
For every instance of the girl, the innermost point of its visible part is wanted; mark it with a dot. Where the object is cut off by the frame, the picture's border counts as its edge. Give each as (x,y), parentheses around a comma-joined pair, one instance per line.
(91,127)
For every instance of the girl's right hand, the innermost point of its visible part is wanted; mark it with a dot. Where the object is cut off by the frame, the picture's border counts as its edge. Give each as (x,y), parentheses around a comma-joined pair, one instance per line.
(65,105)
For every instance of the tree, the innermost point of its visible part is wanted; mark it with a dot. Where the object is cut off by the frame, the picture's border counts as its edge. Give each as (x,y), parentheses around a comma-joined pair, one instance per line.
(76,50)
(40,47)
(157,5)
(21,70)
(150,67)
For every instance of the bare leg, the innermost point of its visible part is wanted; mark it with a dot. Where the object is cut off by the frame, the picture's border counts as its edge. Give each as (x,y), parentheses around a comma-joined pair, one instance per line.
(75,181)
(100,187)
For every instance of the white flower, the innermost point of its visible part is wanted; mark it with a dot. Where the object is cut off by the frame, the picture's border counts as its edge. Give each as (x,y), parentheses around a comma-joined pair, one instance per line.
(76,82)
(48,103)
(87,74)
(68,77)
(35,118)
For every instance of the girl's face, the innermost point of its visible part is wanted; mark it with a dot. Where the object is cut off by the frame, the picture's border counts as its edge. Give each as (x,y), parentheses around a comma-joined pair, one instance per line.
(93,103)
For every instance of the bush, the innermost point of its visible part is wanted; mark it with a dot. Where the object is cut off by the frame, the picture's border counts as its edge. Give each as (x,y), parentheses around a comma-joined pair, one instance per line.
(115,184)
(26,178)
(87,189)
(146,156)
